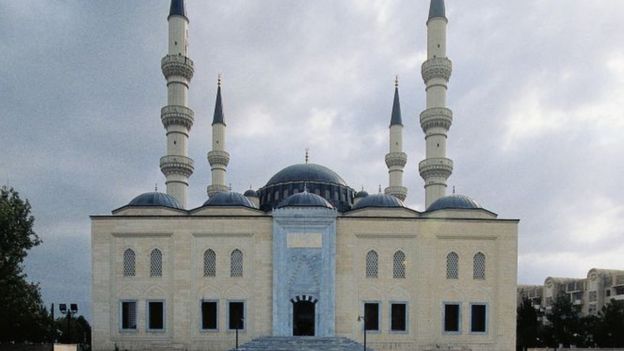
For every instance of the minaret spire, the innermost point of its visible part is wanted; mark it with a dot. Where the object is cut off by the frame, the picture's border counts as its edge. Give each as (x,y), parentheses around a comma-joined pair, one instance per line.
(218,157)
(436,119)
(177,117)
(396,158)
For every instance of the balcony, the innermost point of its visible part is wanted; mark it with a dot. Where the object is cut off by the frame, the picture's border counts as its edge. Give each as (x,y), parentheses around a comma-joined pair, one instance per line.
(440,117)
(437,67)
(177,115)
(177,65)
(175,164)
(435,167)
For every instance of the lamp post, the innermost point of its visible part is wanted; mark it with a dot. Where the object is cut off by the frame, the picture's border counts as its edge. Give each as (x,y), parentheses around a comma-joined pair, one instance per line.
(363,320)
(240,320)
(73,309)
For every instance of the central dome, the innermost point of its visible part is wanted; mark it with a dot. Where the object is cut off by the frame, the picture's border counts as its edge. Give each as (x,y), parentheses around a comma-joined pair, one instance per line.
(308,177)
(309,172)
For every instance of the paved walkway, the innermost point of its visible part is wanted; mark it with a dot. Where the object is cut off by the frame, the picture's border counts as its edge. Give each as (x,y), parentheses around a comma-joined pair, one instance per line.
(302,343)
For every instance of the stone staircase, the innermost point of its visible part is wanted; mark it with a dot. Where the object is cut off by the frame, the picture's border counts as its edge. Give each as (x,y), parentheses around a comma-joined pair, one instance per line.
(302,343)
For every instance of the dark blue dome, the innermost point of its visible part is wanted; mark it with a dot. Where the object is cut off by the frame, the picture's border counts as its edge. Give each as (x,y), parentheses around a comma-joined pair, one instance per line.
(229,198)
(361,194)
(250,193)
(306,172)
(305,199)
(453,202)
(378,200)
(155,199)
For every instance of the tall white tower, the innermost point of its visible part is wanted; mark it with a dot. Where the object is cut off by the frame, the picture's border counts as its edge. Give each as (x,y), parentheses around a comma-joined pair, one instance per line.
(218,157)
(176,117)
(396,158)
(436,119)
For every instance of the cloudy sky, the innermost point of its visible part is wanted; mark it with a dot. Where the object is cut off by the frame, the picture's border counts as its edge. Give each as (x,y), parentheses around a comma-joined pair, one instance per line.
(537,92)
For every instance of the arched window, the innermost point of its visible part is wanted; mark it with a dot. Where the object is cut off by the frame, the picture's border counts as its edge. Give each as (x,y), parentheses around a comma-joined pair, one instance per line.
(452,263)
(156,263)
(372,264)
(236,263)
(129,263)
(210,263)
(398,268)
(478,269)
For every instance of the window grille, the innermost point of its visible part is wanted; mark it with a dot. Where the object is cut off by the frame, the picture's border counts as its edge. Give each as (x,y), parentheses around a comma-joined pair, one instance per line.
(236,263)
(398,270)
(129,263)
(210,263)
(156,263)
(372,264)
(478,269)
(452,263)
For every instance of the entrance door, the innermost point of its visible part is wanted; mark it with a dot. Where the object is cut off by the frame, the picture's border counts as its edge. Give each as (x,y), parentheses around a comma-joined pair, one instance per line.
(303,318)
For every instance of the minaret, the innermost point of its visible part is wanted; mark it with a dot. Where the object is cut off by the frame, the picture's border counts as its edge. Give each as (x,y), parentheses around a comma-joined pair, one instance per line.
(176,116)
(437,118)
(396,158)
(218,157)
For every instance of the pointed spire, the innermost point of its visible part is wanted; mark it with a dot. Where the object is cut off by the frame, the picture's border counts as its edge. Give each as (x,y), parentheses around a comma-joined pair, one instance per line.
(437,9)
(396,106)
(218,111)
(177,8)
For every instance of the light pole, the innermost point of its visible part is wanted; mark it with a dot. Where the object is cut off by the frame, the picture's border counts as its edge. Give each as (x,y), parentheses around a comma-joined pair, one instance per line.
(363,320)
(240,320)
(73,309)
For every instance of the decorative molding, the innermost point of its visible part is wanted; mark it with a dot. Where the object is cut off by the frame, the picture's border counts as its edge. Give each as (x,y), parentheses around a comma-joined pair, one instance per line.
(223,235)
(437,67)
(141,235)
(177,65)
(396,159)
(177,115)
(466,237)
(385,236)
(217,157)
(440,117)
(176,164)
(435,167)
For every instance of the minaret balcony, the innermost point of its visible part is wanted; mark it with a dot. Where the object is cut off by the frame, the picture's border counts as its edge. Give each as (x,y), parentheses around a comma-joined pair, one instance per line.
(216,157)
(436,117)
(400,192)
(175,164)
(436,167)
(396,159)
(437,67)
(177,115)
(216,188)
(177,65)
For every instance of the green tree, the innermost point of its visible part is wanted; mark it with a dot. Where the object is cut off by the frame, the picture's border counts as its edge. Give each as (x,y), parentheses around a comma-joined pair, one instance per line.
(610,325)
(79,330)
(24,318)
(528,325)
(563,321)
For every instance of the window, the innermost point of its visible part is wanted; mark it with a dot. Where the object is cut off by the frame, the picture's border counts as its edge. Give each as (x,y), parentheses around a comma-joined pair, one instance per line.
(593,296)
(478,269)
(452,263)
(608,292)
(451,318)
(478,318)
(398,269)
(398,317)
(155,315)
(371,316)
(128,315)
(129,263)
(210,263)
(156,263)
(236,313)
(372,264)
(236,263)
(209,315)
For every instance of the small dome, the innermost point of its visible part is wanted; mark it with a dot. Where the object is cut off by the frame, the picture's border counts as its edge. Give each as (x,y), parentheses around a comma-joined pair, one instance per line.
(361,194)
(378,200)
(251,193)
(453,202)
(305,199)
(229,198)
(155,199)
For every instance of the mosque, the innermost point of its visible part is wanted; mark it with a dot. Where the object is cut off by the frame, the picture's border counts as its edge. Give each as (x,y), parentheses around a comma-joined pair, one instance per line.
(306,254)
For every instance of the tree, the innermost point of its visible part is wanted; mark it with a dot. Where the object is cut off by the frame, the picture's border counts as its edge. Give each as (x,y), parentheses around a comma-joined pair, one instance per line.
(24,318)
(610,325)
(564,322)
(79,333)
(527,326)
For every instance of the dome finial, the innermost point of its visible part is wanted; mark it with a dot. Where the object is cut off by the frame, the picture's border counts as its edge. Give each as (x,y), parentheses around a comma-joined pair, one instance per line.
(307,155)
(396,81)
(219,78)
(453,189)
(156,187)
(380,188)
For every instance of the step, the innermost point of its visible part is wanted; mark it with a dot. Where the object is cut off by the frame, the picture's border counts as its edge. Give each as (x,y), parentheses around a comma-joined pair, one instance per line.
(302,343)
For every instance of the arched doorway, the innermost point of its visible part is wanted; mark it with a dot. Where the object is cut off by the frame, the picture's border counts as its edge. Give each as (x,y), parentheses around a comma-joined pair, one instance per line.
(304,317)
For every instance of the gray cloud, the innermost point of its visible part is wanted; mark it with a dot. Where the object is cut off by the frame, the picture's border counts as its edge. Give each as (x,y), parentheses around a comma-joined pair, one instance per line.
(536,90)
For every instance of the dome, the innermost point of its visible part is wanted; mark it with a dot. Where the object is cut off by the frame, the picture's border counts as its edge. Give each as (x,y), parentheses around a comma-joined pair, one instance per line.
(155,199)
(379,200)
(453,202)
(306,172)
(251,193)
(361,194)
(229,198)
(305,199)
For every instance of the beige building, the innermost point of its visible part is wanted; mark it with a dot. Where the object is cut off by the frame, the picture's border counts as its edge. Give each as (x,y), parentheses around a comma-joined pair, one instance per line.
(588,294)
(305,255)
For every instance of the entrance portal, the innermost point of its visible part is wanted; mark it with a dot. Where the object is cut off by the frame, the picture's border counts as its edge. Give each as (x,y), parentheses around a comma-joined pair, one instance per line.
(303,318)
